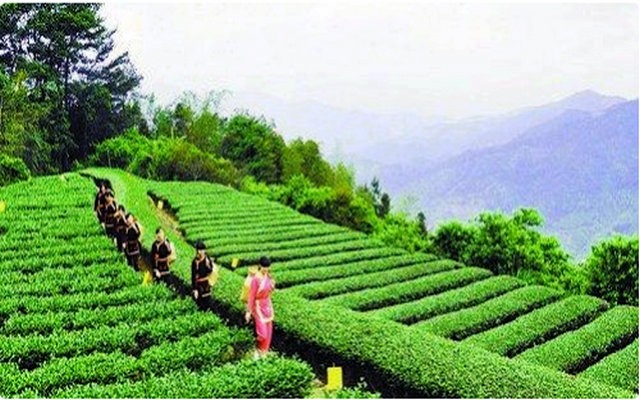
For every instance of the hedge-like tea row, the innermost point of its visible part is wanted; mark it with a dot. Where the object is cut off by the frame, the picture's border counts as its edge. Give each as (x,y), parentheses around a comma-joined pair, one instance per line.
(267,234)
(49,288)
(24,324)
(273,377)
(245,217)
(322,273)
(449,301)
(57,275)
(306,252)
(37,304)
(426,364)
(339,259)
(250,222)
(17,239)
(460,324)
(214,239)
(89,243)
(35,264)
(364,278)
(123,337)
(229,228)
(407,291)
(574,351)
(70,250)
(539,325)
(290,244)
(420,363)
(618,369)
(211,349)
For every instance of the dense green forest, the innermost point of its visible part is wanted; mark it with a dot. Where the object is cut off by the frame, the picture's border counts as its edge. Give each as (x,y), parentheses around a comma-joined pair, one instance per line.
(67,101)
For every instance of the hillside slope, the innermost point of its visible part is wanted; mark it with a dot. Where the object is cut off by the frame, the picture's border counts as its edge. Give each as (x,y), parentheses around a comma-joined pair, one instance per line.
(76,321)
(579,170)
(318,261)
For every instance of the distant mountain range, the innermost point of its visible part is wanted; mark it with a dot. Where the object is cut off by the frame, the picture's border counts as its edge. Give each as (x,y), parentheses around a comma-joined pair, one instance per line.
(576,160)
(580,169)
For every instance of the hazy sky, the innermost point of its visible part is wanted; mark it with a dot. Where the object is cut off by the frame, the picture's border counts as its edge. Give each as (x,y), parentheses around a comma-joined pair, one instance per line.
(431,58)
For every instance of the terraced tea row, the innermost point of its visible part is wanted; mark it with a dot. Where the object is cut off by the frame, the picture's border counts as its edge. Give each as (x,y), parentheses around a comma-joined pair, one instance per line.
(75,319)
(384,284)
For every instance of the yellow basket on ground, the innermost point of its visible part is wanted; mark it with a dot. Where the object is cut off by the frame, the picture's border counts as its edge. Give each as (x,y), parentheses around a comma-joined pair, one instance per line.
(334,378)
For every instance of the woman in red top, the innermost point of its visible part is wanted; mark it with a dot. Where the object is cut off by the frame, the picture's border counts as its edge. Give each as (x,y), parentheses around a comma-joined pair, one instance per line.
(260,307)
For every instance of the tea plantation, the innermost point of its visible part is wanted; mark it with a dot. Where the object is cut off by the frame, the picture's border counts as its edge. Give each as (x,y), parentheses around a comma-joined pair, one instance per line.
(412,324)
(75,320)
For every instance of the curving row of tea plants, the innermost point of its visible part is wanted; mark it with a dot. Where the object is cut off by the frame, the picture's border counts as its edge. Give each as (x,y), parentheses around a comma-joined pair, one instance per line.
(76,321)
(423,326)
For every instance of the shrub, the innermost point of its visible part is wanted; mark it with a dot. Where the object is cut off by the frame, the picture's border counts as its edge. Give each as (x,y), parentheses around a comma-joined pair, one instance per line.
(12,169)
(612,270)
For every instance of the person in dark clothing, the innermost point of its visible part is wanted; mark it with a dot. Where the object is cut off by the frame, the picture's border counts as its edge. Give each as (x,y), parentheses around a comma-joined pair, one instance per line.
(201,269)
(132,242)
(121,228)
(161,255)
(110,210)
(99,202)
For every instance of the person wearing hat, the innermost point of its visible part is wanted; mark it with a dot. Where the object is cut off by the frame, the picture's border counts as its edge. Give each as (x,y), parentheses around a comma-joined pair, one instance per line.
(260,306)
(201,269)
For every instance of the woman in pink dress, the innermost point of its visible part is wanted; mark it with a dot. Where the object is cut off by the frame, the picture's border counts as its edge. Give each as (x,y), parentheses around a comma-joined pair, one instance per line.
(259,306)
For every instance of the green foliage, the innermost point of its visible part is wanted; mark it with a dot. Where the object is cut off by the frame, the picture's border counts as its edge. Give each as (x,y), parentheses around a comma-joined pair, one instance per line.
(163,159)
(78,90)
(410,360)
(73,313)
(180,160)
(618,369)
(612,270)
(253,147)
(360,391)
(452,240)
(449,301)
(461,324)
(539,325)
(12,169)
(571,351)
(325,203)
(397,230)
(121,151)
(360,276)
(509,245)
(303,158)
(191,118)
(411,290)
(20,134)
(273,377)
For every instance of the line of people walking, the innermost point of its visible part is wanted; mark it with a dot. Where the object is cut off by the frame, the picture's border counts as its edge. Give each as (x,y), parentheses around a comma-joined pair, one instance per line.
(126,232)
